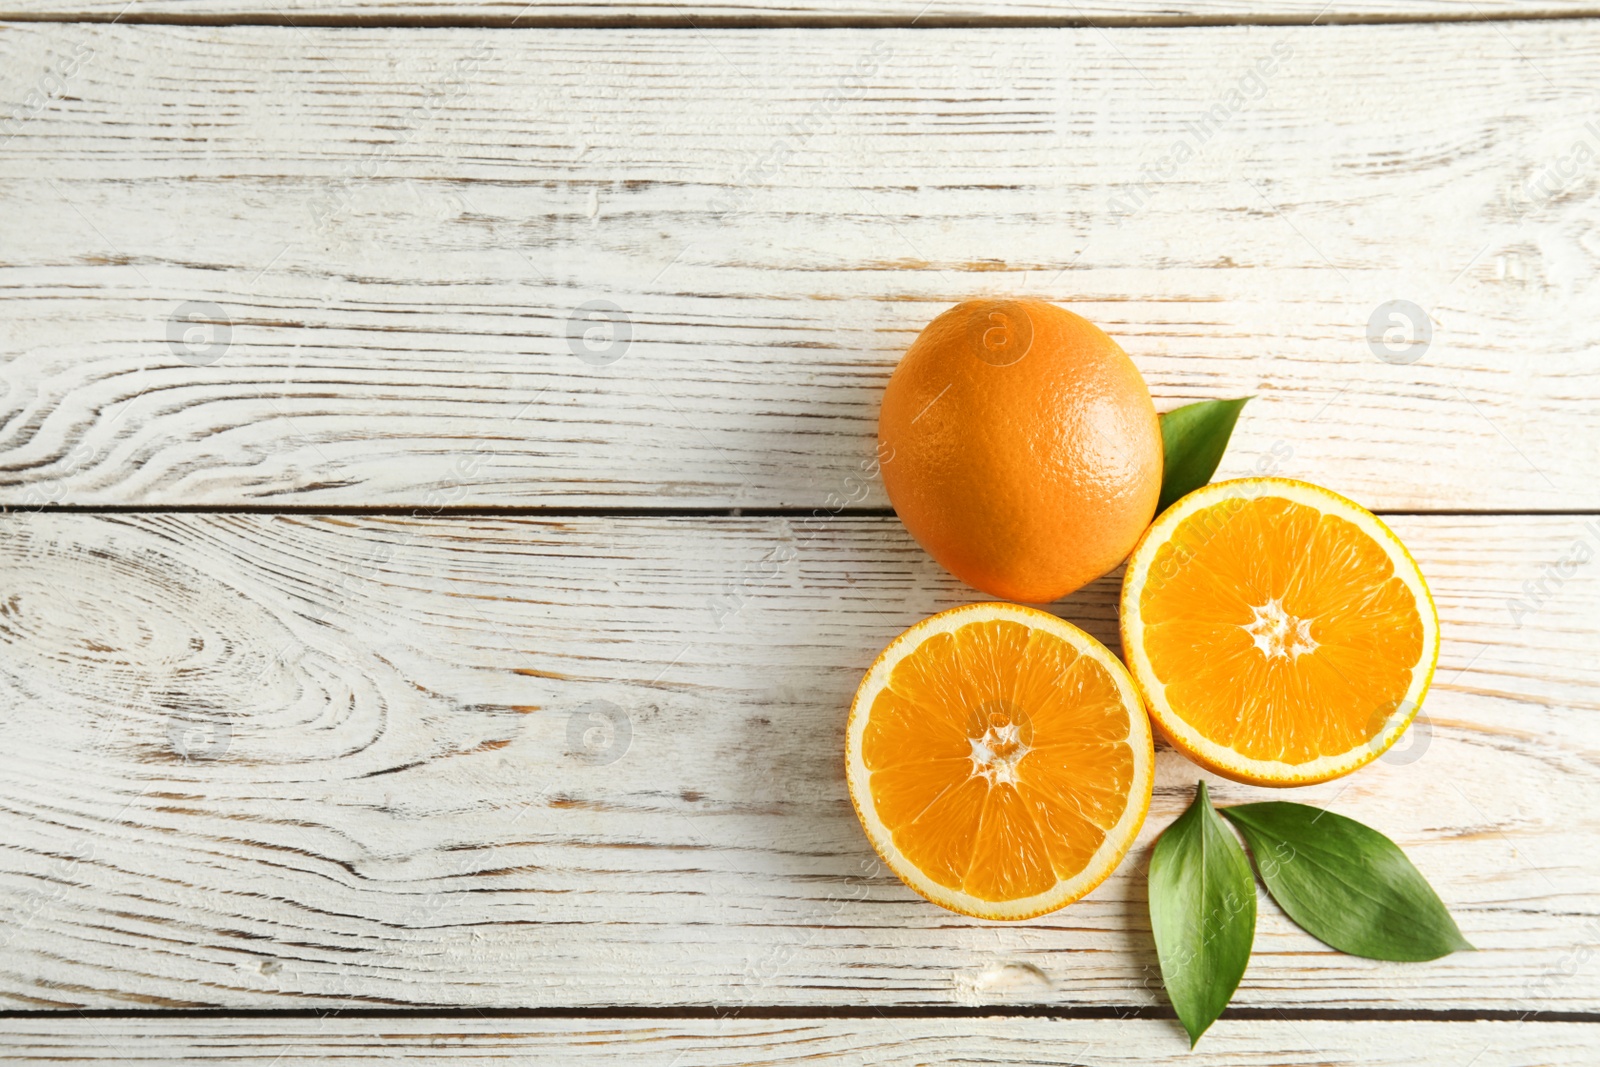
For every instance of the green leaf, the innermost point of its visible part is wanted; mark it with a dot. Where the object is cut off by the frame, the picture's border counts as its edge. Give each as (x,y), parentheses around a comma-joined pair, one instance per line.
(1345,883)
(1203,913)
(1193,439)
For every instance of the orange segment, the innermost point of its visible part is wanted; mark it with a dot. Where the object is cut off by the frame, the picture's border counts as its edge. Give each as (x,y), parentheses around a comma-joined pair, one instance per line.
(1279,633)
(999,760)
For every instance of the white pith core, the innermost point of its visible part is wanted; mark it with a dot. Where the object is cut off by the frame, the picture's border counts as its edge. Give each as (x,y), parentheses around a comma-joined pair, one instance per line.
(996,754)
(1278,634)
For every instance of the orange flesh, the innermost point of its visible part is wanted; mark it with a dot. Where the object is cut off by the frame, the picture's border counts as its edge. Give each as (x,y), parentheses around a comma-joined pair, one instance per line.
(1279,632)
(999,759)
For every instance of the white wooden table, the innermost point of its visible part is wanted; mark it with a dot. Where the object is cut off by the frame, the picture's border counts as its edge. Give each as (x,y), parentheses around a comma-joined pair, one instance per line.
(395,664)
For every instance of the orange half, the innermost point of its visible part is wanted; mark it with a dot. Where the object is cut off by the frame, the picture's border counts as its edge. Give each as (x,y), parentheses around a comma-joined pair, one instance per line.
(1279,633)
(999,760)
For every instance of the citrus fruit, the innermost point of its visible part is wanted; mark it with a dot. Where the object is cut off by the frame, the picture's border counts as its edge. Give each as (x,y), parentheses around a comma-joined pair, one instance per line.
(999,760)
(1020,447)
(1279,633)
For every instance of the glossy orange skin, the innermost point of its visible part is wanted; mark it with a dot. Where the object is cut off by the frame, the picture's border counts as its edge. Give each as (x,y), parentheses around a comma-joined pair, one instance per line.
(1020,447)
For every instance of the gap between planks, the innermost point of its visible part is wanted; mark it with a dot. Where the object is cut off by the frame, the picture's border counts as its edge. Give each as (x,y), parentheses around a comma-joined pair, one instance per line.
(601,511)
(787,21)
(824,1011)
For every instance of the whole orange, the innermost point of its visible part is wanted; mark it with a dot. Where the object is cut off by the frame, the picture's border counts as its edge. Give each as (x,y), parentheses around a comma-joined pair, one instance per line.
(1020,447)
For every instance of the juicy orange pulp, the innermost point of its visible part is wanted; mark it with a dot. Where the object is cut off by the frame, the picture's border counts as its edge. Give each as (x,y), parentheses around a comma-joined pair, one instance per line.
(1285,630)
(1000,757)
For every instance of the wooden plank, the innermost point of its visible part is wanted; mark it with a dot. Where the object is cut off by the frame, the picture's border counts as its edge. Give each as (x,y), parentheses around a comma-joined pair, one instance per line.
(740,1041)
(924,12)
(255,761)
(396,227)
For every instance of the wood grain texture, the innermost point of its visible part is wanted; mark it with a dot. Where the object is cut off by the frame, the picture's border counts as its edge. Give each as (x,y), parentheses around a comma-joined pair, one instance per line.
(256,761)
(532,12)
(738,1042)
(396,226)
